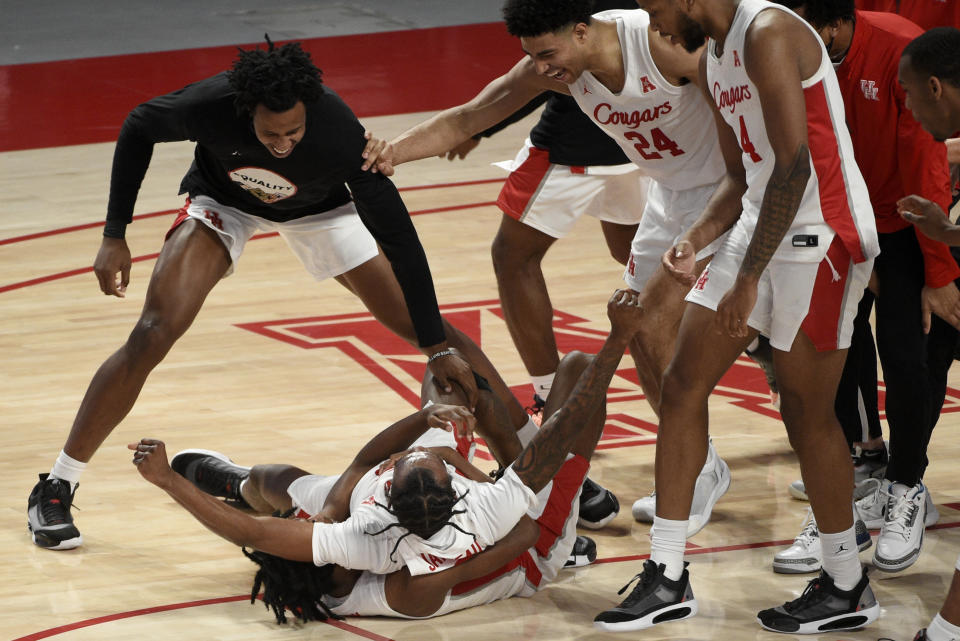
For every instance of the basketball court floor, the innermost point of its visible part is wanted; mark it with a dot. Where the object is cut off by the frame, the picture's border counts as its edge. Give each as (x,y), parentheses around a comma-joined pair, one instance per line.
(278,368)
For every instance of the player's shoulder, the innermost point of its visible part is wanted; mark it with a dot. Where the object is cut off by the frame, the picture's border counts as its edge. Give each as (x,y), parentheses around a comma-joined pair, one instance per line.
(629,17)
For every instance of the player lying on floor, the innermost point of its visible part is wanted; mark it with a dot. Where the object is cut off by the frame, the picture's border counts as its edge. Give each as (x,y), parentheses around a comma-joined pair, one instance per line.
(420,503)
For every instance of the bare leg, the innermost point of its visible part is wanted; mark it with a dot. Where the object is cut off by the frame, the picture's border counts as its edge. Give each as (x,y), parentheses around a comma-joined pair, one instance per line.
(619,237)
(266,489)
(191,262)
(374,283)
(517,253)
(702,357)
(808,382)
(653,346)
(571,368)
(951,606)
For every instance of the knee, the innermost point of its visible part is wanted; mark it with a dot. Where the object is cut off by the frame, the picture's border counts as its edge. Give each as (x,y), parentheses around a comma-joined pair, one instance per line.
(152,337)
(575,361)
(680,387)
(510,257)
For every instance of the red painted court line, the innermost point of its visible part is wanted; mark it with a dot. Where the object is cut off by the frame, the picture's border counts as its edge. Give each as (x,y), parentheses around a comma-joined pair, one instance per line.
(83,270)
(69,627)
(67,230)
(44,634)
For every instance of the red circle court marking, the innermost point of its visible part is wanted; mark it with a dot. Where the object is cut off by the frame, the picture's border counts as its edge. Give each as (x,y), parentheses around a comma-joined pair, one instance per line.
(45,634)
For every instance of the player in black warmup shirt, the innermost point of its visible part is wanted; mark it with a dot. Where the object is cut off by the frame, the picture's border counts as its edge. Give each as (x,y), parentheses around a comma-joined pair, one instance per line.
(276,151)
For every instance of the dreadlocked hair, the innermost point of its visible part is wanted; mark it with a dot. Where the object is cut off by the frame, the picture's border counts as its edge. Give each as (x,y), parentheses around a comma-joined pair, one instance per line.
(296,585)
(934,53)
(277,78)
(530,18)
(422,506)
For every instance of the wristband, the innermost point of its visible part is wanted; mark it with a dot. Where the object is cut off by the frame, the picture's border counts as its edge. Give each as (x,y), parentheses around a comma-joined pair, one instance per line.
(440,354)
(114,229)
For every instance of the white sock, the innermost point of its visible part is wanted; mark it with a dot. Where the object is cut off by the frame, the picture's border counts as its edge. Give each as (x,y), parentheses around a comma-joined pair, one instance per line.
(942,630)
(527,432)
(668,541)
(68,469)
(841,558)
(542,384)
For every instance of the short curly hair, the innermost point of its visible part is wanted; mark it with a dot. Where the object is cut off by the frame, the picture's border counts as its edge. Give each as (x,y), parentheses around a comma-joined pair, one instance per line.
(529,18)
(934,53)
(277,78)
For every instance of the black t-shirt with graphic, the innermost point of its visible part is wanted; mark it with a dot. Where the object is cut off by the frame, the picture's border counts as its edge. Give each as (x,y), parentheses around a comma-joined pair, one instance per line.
(234,168)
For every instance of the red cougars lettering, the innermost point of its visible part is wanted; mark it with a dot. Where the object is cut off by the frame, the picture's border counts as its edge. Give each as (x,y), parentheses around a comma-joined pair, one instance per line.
(605,115)
(730,97)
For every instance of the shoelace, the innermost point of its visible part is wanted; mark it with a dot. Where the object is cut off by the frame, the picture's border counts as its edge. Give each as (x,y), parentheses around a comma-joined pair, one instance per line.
(55,509)
(903,513)
(871,500)
(809,593)
(646,578)
(809,531)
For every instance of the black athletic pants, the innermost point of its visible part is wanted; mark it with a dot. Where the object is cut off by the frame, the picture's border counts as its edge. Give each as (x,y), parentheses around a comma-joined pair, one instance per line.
(915,364)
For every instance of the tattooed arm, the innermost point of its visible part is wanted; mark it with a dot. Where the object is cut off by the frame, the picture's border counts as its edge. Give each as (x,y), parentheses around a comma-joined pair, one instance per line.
(780,53)
(543,456)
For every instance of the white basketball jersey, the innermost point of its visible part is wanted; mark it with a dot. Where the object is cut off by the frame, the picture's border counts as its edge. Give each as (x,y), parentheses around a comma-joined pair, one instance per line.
(836,198)
(668,131)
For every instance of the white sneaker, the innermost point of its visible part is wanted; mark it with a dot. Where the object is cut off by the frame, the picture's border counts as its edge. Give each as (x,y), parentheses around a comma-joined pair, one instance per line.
(933,514)
(644,509)
(806,555)
(712,483)
(901,536)
(873,506)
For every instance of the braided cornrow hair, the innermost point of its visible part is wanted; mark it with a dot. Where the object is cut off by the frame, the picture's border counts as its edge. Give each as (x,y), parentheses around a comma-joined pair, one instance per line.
(296,585)
(422,506)
(277,78)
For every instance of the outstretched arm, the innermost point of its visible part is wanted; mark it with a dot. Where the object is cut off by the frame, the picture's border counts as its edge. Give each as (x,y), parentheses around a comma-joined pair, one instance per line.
(289,539)
(543,456)
(447,129)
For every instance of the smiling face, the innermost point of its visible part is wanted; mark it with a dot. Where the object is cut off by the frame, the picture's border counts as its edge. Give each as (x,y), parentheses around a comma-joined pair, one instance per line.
(667,19)
(558,55)
(280,131)
(925,100)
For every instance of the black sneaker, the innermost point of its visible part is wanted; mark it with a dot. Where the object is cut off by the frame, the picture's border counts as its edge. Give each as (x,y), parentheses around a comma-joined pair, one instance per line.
(598,505)
(48,514)
(536,410)
(655,599)
(921,635)
(824,608)
(212,472)
(584,552)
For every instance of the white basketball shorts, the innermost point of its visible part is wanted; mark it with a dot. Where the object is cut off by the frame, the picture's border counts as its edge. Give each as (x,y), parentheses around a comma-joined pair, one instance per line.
(551,198)
(327,244)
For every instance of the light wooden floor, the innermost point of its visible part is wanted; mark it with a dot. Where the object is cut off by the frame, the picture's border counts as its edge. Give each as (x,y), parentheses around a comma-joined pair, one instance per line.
(147,570)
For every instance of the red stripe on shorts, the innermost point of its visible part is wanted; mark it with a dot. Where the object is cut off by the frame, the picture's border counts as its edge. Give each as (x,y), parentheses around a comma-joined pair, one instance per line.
(523,183)
(182,215)
(525,561)
(822,323)
(566,484)
(828,165)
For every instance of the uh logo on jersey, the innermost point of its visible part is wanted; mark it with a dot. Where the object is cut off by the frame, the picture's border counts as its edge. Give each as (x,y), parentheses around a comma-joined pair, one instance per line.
(400,367)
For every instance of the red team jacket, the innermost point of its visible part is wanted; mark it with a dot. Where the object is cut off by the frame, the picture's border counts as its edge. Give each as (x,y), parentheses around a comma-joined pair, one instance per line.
(926,13)
(896,156)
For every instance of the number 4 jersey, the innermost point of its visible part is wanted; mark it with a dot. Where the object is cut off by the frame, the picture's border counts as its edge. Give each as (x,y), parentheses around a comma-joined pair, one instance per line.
(666,130)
